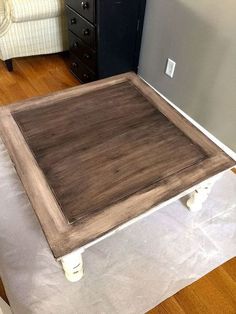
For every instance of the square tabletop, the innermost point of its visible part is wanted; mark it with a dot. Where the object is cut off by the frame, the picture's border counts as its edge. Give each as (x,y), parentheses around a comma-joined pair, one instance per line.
(94,157)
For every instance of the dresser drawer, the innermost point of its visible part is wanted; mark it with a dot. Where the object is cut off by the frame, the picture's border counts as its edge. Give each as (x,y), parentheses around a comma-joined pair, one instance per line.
(81,27)
(84,8)
(84,53)
(81,71)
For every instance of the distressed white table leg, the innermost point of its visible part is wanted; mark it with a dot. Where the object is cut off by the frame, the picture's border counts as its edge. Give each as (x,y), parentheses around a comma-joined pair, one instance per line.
(73,265)
(200,194)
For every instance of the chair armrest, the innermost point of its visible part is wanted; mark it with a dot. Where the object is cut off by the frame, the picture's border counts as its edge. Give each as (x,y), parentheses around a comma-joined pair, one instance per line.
(5,16)
(28,10)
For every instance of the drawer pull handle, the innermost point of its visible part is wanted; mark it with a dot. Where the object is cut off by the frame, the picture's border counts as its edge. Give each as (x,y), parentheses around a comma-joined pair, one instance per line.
(86,32)
(75,44)
(73,21)
(85,76)
(84,5)
(87,56)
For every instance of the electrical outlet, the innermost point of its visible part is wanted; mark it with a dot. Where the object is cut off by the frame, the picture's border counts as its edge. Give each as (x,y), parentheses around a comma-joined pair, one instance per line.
(170,68)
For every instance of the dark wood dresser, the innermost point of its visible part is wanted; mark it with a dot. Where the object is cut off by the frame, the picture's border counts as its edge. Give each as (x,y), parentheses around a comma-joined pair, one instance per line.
(104,36)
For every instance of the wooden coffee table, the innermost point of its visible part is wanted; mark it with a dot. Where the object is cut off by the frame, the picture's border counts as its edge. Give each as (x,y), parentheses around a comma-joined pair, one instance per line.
(95,158)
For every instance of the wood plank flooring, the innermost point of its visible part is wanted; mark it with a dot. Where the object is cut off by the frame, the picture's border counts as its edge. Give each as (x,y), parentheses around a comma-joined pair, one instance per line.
(34,76)
(2,292)
(214,293)
(44,74)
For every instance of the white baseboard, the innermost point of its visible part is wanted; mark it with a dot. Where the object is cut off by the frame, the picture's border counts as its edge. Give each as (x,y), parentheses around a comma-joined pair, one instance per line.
(225,148)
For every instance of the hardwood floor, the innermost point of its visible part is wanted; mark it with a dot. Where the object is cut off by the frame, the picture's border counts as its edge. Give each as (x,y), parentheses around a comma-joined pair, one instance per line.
(34,76)
(216,292)
(2,292)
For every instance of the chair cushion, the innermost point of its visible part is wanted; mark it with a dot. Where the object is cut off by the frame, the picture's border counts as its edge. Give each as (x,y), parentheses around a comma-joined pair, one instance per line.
(28,10)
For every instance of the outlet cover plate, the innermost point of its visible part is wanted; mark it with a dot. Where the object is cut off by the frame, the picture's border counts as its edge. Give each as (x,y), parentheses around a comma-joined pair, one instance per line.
(170,68)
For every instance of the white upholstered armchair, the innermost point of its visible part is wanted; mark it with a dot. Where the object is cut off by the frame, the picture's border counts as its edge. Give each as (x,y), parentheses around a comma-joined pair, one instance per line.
(31,27)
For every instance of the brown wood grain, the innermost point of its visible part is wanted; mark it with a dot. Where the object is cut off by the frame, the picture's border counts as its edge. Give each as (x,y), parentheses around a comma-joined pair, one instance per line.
(95,152)
(102,154)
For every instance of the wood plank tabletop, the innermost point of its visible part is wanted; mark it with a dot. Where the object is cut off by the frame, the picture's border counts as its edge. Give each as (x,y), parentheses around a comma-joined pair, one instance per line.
(94,157)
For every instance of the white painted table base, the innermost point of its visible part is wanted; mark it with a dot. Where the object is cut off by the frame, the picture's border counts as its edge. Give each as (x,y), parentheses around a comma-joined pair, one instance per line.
(200,194)
(73,263)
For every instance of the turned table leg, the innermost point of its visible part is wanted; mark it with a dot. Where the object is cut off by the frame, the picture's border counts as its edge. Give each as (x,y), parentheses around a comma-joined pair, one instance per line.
(73,265)
(200,194)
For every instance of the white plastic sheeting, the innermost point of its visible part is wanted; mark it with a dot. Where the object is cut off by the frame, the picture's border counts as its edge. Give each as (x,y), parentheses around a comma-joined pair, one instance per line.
(129,272)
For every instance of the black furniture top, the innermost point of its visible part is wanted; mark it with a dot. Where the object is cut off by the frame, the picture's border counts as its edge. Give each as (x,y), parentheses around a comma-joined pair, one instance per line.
(104,36)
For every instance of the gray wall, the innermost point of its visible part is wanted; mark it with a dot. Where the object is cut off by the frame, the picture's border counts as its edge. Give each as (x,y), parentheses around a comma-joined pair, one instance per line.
(201,37)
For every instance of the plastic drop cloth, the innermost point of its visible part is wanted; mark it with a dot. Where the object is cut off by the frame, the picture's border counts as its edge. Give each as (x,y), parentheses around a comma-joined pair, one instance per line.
(130,272)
